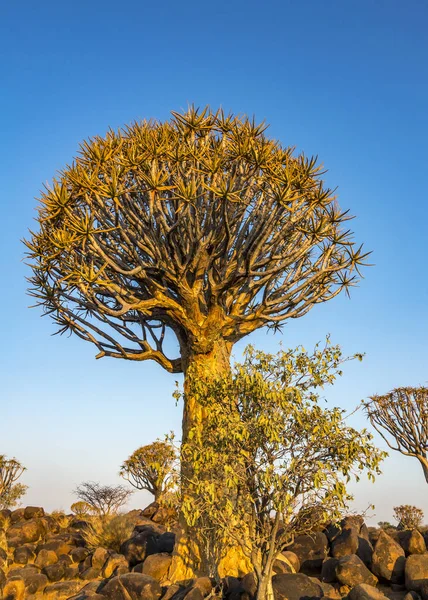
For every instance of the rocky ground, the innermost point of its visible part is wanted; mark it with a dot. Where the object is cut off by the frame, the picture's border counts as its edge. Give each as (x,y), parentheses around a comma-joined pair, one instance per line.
(42,558)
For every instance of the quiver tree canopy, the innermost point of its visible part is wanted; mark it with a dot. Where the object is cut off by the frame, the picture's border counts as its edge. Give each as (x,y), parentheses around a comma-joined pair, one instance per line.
(201,225)
(401,419)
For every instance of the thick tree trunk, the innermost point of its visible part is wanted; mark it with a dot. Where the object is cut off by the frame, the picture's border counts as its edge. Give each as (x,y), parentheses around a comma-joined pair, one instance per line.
(424,464)
(191,559)
(264,588)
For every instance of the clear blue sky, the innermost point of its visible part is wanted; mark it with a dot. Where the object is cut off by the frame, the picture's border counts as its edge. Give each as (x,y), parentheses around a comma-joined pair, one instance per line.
(345,80)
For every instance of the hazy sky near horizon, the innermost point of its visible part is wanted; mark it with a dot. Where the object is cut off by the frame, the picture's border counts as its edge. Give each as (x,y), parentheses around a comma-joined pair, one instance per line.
(347,81)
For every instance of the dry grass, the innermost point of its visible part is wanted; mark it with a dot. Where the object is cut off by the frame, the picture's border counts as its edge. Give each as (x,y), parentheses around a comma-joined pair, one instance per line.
(109,532)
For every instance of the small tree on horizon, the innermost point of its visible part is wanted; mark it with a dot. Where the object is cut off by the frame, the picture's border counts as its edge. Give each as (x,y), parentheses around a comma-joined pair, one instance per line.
(105,500)
(401,419)
(153,468)
(10,491)
(408,517)
(291,458)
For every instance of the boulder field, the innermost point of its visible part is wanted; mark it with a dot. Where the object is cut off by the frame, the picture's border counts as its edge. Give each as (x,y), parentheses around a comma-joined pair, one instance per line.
(42,558)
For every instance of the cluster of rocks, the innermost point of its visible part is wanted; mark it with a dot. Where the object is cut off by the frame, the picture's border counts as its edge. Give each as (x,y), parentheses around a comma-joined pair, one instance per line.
(41,559)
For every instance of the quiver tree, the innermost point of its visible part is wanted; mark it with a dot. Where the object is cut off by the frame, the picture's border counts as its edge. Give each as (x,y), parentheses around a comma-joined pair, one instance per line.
(201,227)
(401,419)
(10,491)
(152,467)
(408,517)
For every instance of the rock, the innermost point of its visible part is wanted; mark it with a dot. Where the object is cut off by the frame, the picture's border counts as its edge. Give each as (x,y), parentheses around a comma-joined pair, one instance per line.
(138,547)
(2,579)
(132,586)
(78,555)
(310,550)
(329,591)
(350,571)
(345,544)
(33,580)
(90,573)
(412,596)
(33,512)
(54,572)
(116,564)
(282,566)
(99,558)
(412,542)
(416,571)
(249,584)
(292,558)
(61,590)
(295,586)
(46,558)
(331,531)
(203,584)
(17,515)
(388,559)
(328,570)
(364,591)
(25,532)
(23,555)
(364,550)
(165,542)
(172,591)
(157,565)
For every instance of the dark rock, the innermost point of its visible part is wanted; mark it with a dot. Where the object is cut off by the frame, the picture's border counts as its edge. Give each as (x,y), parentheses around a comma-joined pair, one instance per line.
(33,580)
(416,571)
(99,558)
(412,596)
(310,550)
(137,548)
(78,555)
(46,558)
(166,542)
(173,591)
(331,531)
(412,542)
(157,565)
(281,566)
(23,555)
(17,515)
(328,570)
(25,532)
(62,590)
(295,586)
(249,584)
(363,591)
(132,586)
(33,512)
(388,559)
(90,573)
(350,571)
(364,550)
(54,572)
(116,564)
(345,544)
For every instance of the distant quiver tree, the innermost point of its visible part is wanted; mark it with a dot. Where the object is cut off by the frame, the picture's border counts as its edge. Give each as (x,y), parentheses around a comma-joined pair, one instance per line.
(201,227)
(401,418)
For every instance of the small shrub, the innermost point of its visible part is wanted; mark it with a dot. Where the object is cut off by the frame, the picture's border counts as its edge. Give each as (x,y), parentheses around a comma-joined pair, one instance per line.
(408,517)
(110,532)
(385,525)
